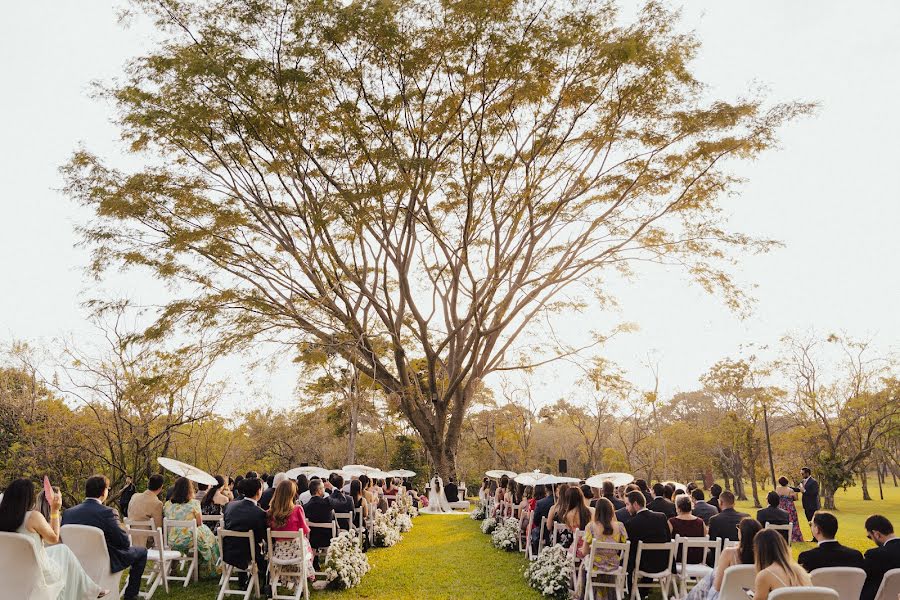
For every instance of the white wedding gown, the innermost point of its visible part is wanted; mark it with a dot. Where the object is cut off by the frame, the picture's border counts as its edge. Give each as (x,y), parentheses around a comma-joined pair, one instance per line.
(437,500)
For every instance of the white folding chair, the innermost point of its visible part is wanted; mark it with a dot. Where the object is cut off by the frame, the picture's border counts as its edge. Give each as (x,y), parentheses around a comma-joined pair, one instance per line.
(89,545)
(785,528)
(804,593)
(735,579)
(692,573)
(158,557)
(390,499)
(729,544)
(190,557)
(213,521)
(846,581)
(322,553)
(661,579)
(541,535)
(890,586)
(277,573)
(527,520)
(228,569)
(596,578)
(19,568)
(345,516)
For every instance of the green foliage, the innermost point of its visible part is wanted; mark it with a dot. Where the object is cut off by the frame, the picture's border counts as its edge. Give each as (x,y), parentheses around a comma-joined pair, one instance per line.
(408,455)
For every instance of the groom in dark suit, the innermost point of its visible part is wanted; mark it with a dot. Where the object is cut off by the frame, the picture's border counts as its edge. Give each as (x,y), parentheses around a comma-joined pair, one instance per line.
(810,489)
(122,554)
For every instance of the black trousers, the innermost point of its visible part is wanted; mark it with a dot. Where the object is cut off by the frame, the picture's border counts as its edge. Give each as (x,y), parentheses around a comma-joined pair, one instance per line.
(809,513)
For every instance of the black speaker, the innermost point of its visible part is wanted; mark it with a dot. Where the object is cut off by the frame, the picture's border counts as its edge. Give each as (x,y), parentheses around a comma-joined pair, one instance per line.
(304,464)
(563,466)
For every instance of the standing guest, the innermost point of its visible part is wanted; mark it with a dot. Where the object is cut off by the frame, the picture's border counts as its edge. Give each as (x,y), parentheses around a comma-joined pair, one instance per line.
(775,567)
(266,499)
(809,487)
(609,492)
(773,514)
(786,499)
(645,526)
(284,515)
(702,509)
(686,524)
(714,491)
(603,528)
(724,525)
(60,576)
(830,552)
(122,555)
(246,515)
(183,507)
(146,506)
(125,495)
(318,510)
(882,559)
(660,503)
(742,554)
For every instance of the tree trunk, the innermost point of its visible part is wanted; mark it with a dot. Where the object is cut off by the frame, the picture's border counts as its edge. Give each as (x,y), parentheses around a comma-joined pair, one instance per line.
(756,503)
(354,424)
(769,445)
(828,497)
(880,477)
(739,491)
(864,479)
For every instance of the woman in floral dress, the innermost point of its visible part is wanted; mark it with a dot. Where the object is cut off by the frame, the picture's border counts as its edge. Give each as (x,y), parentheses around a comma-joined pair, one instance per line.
(183,507)
(787,497)
(604,528)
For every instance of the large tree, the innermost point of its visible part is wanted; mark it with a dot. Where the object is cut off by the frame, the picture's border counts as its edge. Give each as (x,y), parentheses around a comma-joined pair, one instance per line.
(415,184)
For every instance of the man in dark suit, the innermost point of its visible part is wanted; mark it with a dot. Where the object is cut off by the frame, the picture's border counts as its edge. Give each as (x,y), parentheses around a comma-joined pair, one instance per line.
(340,502)
(318,510)
(122,554)
(702,509)
(714,491)
(882,559)
(645,526)
(609,492)
(660,504)
(810,489)
(452,491)
(246,515)
(830,552)
(772,514)
(724,525)
(266,499)
(541,509)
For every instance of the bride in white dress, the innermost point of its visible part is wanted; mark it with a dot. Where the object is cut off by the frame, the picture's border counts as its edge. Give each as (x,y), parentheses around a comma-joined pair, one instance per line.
(437,498)
(61,576)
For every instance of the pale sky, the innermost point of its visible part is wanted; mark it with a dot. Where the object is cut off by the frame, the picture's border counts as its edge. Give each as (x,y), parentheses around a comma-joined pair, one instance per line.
(829,194)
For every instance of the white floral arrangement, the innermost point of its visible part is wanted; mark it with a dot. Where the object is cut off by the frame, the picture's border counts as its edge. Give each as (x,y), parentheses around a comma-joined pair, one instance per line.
(345,563)
(479,513)
(404,505)
(404,522)
(386,531)
(551,572)
(488,525)
(506,534)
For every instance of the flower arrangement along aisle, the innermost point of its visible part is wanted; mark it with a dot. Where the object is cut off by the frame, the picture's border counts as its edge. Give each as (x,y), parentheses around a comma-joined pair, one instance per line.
(346,563)
(551,572)
(404,506)
(387,533)
(506,534)
(488,525)
(480,512)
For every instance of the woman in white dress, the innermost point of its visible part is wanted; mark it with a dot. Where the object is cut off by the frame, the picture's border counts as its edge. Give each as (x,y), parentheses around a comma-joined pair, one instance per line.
(437,498)
(61,576)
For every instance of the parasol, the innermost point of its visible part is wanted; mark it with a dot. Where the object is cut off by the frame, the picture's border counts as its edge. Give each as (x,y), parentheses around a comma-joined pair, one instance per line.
(498,473)
(309,472)
(186,470)
(618,479)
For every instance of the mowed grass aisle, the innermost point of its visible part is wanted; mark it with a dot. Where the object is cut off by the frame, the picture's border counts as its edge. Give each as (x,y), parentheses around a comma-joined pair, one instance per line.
(444,556)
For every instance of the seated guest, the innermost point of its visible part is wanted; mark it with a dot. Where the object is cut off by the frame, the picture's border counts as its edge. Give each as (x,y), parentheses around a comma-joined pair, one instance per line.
(125,494)
(228,489)
(202,488)
(359,502)
(60,576)
(146,506)
(246,515)
(742,554)
(236,488)
(687,525)
(602,528)
(307,494)
(122,555)
(452,491)
(772,514)
(527,502)
(367,491)
(284,515)
(215,500)
(266,499)
(545,501)
(714,491)
(642,485)
(775,567)
(183,507)
(577,516)
(390,488)
(702,509)
(724,524)
(609,492)
(340,502)
(588,493)
(882,559)
(318,510)
(645,526)
(659,503)
(830,552)
(622,514)
(484,490)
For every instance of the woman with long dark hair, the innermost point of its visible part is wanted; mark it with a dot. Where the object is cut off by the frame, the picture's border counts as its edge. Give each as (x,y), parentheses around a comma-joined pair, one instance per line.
(603,528)
(214,501)
(743,554)
(60,575)
(183,507)
(775,566)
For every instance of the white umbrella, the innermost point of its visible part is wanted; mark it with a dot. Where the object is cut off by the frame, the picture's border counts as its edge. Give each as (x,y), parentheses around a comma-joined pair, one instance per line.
(402,473)
(186,470)
(379,474)
(618,479)
(554,479)
(309,472)
(498,473)
(529,478)
(358,470)
(676,485)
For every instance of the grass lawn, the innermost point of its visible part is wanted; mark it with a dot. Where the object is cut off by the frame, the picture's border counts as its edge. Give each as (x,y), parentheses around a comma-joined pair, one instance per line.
(449,557)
